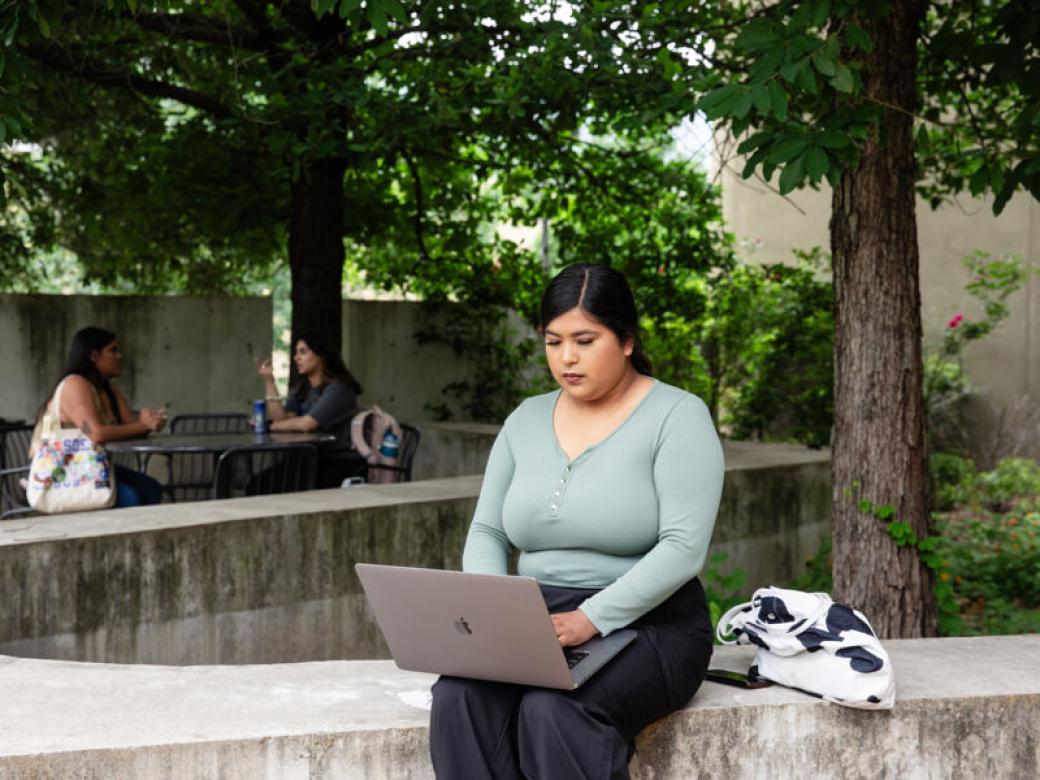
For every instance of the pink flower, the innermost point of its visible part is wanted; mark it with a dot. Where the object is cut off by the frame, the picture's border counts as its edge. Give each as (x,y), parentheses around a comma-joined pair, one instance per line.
(957,320)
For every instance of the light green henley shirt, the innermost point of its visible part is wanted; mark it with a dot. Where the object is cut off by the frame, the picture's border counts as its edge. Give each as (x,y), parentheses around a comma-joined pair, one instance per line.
(632,514)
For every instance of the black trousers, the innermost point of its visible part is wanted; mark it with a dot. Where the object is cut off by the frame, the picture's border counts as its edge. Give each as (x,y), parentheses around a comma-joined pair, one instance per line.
(482,729)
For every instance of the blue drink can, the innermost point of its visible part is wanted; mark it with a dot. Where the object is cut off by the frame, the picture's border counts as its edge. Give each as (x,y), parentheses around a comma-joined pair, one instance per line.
(260,416)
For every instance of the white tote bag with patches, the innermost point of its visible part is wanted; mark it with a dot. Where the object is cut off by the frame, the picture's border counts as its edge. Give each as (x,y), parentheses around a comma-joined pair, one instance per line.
(808,642)
(69,473)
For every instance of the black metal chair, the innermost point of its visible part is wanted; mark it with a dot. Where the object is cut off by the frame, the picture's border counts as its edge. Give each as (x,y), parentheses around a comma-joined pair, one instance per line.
(216,422)
(262,471)
(402,470)
(189,476)
(15,438)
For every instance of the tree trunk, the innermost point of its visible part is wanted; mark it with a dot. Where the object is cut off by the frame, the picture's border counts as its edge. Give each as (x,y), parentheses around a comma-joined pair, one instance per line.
(879,442)
(316,249)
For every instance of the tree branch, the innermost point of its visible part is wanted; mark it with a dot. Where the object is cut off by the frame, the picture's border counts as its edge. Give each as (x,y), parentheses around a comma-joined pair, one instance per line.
(97,74)
(206,29)
(419,227)
(254,12)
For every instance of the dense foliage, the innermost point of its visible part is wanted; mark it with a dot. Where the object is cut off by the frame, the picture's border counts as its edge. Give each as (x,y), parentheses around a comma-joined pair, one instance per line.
(988,542)
(798,94)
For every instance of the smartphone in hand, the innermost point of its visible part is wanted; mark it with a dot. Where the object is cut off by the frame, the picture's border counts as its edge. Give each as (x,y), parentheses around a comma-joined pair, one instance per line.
(737,679)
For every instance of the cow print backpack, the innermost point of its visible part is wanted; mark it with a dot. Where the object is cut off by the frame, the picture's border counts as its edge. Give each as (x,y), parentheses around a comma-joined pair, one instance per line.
(807,642)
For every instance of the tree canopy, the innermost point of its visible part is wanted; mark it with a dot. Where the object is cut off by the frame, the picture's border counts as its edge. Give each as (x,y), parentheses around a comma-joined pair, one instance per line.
(195,143)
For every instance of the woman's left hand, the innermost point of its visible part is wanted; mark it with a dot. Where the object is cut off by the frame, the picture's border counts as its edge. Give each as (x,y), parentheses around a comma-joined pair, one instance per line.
(573,628)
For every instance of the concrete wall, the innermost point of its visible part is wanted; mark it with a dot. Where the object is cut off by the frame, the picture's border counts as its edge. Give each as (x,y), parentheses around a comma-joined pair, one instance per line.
(1006,364)
(453,449)
(194,354)
(396,372)
(258,580)
(253,580)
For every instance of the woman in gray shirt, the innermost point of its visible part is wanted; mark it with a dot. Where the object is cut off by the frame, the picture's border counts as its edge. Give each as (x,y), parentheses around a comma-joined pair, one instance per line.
(608,488)
(324,399)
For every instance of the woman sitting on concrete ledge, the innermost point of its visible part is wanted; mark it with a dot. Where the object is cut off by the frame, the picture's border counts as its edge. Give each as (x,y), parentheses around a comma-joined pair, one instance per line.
(609,488)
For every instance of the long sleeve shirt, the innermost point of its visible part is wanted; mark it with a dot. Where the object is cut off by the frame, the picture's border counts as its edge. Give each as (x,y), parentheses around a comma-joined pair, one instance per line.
(632,515)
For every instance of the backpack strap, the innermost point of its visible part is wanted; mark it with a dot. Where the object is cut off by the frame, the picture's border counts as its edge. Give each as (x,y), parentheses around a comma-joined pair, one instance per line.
(357,434)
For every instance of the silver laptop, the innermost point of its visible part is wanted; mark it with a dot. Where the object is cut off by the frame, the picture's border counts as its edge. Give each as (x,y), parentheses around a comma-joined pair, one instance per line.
(483,626)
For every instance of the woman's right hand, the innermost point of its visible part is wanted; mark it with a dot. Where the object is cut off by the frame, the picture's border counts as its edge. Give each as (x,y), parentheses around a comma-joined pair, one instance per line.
(154,419)
(265,369)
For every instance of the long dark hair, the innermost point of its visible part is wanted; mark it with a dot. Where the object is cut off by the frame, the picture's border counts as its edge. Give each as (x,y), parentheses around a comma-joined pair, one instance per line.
(85,341)
(335,369)
(603,294)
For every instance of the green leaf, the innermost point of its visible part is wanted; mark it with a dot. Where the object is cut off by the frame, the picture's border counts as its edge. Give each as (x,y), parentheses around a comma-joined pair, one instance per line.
(865,506)
(395,9)
(806,79)
(348,7)
(767,169)
(842,80)
(753,161)
(3,130)
(885,511)
(816,163)
(791,70)
(720,101)
(978,181)
(742,104)
(45,28)
(858,38)
(739,125)
(788,149)
(322,7)
(821,12)
(792,175)
(778,98)
(132,5)
(760,97)
(928,544)
(755,141)
(378,17)
(832,139)
(3,61)
(824,64)
(996,177)
(759,34)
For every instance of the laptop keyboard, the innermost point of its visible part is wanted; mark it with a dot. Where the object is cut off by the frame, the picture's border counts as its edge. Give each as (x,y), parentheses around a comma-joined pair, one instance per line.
(574,657)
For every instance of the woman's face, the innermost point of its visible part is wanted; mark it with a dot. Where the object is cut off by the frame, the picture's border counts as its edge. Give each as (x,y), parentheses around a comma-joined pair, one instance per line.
(108,360)
(308,363)
(585,356)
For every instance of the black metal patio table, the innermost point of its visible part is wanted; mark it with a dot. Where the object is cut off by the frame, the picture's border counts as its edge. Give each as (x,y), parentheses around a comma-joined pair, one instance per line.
(192,458)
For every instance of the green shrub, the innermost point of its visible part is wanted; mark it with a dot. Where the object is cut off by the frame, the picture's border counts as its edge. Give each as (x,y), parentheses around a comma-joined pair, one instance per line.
(992,555)
(819,570)
(1013,479)
(953,480)
(722,590)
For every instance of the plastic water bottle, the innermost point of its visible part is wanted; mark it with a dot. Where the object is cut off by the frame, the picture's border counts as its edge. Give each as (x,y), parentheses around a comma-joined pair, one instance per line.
(390,446)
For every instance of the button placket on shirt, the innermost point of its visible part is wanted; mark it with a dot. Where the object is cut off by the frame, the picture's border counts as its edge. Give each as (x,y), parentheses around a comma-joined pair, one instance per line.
(559,490)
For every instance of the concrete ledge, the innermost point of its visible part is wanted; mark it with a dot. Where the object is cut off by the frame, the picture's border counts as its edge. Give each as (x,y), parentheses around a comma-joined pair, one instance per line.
(270,579)
(966,708)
